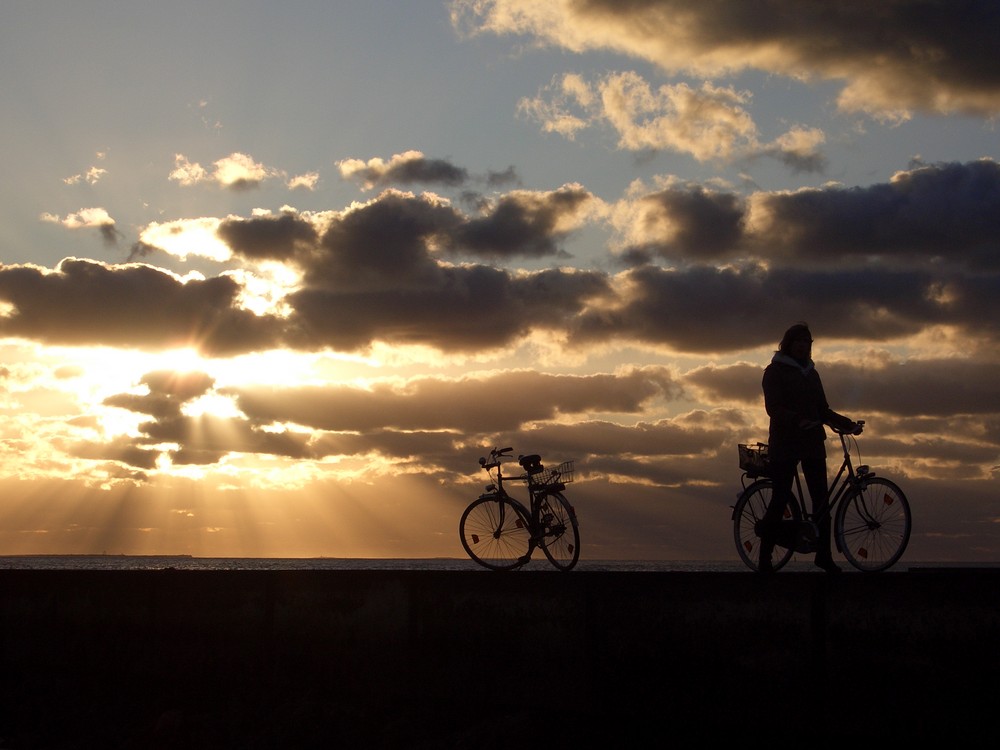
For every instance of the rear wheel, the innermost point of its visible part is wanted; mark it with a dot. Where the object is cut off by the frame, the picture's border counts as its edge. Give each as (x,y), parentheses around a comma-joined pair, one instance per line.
(560,534)
(495,533)
(872,525)
(747,513)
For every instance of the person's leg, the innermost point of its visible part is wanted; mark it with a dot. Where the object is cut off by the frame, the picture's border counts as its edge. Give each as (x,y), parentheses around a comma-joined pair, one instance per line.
(782,475)
(814,471)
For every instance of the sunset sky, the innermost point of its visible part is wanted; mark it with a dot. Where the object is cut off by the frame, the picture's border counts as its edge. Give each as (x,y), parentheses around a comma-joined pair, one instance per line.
(273,276)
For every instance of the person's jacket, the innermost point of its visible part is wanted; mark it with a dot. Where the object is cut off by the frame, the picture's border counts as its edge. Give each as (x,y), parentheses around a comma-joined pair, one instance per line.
(795,402)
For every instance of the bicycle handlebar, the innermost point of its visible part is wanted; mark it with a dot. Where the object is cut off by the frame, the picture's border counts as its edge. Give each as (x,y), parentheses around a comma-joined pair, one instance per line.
(856,431)
(494,459)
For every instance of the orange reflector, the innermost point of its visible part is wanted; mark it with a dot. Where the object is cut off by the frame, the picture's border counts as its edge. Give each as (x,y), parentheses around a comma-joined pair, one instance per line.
(519,523)
(748,545)
(862,552)
(887,499)
(475,538)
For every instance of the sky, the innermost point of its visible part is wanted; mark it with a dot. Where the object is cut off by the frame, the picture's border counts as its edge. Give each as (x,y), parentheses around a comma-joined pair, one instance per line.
(273,276)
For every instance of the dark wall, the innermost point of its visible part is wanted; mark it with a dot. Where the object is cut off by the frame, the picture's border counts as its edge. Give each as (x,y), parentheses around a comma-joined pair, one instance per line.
(475,659)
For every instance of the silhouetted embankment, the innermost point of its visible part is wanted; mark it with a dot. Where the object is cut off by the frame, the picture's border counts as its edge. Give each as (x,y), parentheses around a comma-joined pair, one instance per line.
(194,659)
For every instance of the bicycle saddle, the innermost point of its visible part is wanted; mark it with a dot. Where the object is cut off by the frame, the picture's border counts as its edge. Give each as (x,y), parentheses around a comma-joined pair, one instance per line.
(532,464)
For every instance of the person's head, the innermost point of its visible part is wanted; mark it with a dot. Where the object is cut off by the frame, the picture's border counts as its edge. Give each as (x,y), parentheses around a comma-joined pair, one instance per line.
(797,342)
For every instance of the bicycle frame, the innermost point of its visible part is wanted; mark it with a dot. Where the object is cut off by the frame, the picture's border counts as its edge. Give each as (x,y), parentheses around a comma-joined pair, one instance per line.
(847,479)
(536,492)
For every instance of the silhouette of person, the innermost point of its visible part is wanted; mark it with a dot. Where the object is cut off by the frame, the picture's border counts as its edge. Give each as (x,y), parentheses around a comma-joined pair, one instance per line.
(795,402)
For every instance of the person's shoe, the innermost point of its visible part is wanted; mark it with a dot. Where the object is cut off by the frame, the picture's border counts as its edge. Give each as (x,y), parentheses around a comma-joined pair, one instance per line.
(829,566)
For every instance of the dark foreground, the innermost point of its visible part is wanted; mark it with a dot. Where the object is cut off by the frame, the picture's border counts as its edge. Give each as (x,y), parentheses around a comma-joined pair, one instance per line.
(292,659)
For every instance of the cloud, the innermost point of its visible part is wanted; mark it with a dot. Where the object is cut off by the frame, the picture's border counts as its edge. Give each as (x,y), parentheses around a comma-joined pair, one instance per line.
(891,60)
(407,168)
(85,217)
(92,176)
(526,223)
(305,181)
(883,384)
(681,221)
(944,216)
(708,309)
(470,405)
(97,218)
(421,416)
(281,237)
(708,123)
(237,171)
(892,259)
(168,391)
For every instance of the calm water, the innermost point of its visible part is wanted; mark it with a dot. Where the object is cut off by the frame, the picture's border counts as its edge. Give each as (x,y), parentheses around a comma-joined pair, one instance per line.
(130,562)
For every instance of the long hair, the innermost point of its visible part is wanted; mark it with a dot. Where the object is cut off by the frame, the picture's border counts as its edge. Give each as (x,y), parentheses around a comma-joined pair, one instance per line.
(796,331)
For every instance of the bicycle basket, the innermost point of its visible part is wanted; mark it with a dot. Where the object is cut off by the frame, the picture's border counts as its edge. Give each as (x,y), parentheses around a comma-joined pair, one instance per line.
(753,460)
(561,473)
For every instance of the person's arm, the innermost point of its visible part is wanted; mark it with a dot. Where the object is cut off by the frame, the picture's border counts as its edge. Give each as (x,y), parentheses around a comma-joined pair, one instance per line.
(835,420)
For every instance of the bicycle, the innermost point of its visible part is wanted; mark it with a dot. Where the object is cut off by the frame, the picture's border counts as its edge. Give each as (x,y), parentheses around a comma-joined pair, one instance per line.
(871,516)
(500,533)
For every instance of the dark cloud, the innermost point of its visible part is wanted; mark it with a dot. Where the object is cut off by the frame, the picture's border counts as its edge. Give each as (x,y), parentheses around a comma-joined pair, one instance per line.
(931,55)
(947,214)
(268,237)
(705,309)
(525,224)
(937,216)
(206,435)
(472,308)
(88,303)
(423,170)
(121,450)
(506,177)
(425,418)
(885,261)
(382,245)
(408,168)
(468,406)
(168,392)
(695,223)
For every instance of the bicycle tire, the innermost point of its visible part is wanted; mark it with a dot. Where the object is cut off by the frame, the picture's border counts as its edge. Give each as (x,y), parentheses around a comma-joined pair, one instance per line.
(872,525)
(559,531)
(495,532)
(748,511)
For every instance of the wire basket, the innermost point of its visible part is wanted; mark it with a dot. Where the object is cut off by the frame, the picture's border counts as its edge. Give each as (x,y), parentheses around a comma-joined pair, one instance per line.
(562,473)
(754,460)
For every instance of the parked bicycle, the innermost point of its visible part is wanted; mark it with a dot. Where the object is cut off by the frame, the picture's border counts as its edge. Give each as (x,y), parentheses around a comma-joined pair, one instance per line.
(500,533)
(871,516)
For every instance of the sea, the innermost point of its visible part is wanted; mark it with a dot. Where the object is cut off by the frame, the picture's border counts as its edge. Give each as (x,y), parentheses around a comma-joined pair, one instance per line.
(186,562)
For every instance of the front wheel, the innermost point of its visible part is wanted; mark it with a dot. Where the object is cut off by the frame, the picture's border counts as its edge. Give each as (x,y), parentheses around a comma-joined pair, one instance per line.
(747,514)
(872,525)
(560,534)
(495,533)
